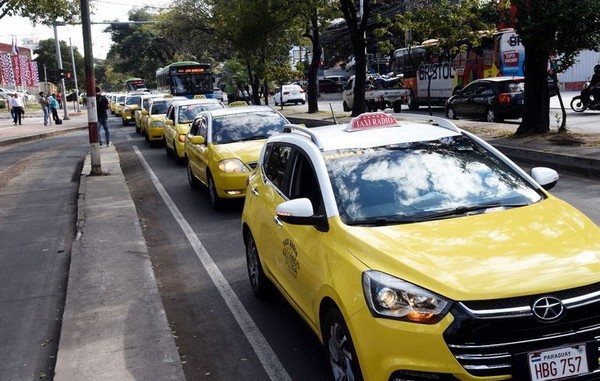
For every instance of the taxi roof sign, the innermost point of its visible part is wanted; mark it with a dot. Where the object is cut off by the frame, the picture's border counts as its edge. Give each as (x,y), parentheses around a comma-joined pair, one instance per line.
(370,121)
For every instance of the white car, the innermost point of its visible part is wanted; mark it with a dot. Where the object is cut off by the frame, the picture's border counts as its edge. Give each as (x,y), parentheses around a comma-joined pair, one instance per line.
(290,94)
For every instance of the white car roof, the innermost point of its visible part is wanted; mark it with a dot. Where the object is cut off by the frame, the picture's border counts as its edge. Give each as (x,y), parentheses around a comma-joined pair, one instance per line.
(196,101)
(375,130)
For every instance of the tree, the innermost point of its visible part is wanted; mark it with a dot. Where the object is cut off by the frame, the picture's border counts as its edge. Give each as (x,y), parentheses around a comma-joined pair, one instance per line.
(560,28)
(47,62)
(357,25)
(43,12)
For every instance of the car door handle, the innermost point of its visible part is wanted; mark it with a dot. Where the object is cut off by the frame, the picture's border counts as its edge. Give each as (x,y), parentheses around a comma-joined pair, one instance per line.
(254,191)
(278,222)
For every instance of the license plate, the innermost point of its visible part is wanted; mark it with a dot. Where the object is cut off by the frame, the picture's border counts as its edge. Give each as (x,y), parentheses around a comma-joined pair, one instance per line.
(557,363)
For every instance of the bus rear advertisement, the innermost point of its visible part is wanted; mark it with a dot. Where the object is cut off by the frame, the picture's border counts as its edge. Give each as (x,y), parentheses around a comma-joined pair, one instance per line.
(499,55)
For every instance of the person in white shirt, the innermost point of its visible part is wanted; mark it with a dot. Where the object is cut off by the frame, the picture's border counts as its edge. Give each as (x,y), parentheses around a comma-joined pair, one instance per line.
(16,107)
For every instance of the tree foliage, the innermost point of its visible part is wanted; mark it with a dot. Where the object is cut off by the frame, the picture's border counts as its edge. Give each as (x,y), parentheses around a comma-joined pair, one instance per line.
(47,62)
(41,11)
(560,28)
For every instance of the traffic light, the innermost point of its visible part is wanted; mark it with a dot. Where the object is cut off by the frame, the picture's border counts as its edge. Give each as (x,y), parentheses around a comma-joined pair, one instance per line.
(68,76)
(62,73)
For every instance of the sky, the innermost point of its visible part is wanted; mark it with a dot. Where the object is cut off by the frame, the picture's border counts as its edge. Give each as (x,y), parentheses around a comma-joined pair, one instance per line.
(100,10)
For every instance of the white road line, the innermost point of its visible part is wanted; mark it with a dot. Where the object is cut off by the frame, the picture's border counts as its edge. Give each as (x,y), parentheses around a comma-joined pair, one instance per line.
(263,350)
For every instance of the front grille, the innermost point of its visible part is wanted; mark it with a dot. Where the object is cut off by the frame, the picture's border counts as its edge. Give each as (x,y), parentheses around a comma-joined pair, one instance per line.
(492,338)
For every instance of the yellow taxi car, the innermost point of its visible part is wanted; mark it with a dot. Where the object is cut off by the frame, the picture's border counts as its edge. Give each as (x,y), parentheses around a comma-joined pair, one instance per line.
(223,145)
(137,113)
(119,104)
(133,101)
(417,251)
(178,119)
(153,117)
(112,102)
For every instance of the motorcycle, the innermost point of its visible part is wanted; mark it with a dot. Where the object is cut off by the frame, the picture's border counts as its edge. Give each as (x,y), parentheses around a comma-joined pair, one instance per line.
(579,105)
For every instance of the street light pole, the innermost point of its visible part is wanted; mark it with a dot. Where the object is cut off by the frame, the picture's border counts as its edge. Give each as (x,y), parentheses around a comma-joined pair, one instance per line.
(74,77)
(60,67)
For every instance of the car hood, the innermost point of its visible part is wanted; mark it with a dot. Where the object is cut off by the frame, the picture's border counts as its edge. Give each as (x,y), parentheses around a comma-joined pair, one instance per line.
(247,151)
(535,249)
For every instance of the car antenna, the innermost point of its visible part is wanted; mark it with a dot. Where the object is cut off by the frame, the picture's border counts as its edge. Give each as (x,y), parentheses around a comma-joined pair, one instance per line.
(332,114)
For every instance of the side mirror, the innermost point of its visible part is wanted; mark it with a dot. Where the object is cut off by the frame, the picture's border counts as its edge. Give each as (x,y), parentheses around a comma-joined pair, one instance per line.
(300,211)
(196,139)
(168,122)
(144,112)
(546,177)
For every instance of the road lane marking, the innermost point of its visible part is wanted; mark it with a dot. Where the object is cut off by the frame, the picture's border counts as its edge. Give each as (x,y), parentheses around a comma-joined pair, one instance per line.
(261,347)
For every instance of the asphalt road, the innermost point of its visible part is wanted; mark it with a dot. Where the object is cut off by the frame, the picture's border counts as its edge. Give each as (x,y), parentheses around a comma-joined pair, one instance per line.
(38,192)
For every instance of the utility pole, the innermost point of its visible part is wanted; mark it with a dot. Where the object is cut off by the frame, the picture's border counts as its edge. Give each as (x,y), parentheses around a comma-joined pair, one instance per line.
(74,77)
(90,88)
(60,68)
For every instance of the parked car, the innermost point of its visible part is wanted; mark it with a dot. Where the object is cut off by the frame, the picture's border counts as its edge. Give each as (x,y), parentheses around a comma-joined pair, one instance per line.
(218,94)
(494,99)
(330,86)
(339,79)
(415,250)
(223,145)
(289,94)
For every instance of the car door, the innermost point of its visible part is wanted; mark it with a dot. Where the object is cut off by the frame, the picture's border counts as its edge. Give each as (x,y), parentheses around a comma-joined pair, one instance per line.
(169,129)
(480,101)
(192,151)
(203,150)
(462,101)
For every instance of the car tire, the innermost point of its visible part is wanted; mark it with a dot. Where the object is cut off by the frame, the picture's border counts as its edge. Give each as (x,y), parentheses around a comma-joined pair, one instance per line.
(215,201)
(303,102)
(137,129)
(124,122)
(451,113)
(343,362)
(178,159)
(258,281)
(192,180)
(413,105)
(397,106)
(490,116)
(346,107)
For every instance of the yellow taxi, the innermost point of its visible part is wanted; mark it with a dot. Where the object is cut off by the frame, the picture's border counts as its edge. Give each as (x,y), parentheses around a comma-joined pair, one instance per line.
(133,101)
(223,145)
(417,251)
(137,113)
(119,104)
(153,117)
(178,119)
(112,102)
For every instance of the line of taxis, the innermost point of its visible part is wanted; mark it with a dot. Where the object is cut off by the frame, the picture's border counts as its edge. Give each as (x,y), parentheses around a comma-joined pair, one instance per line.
(219,144)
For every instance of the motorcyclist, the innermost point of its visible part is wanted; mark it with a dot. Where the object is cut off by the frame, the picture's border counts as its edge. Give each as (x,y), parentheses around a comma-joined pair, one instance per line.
(593,88)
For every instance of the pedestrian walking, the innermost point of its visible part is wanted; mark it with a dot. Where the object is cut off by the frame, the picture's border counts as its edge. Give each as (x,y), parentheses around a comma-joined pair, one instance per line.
(53,103)
(101,107)
(17,108)
(43,101)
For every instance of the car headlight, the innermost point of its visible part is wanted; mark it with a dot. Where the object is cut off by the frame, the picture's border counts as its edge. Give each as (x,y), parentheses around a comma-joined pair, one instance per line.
(232,166)
(157,123)
(390,297)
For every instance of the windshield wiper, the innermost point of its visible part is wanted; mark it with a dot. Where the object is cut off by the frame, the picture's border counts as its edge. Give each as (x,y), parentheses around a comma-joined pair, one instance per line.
(256,137)
(462,210)
(459,211)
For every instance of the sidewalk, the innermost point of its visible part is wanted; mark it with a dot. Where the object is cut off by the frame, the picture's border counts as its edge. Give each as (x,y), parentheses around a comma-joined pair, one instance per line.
(114,323)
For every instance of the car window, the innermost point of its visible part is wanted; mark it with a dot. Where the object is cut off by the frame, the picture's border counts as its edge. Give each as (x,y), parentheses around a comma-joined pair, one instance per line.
(471,89)
(158,108)
(415,180)
(246,126)
(187,113)
(304,182)
(171,113)
(513,87)
(195,128)
(274,167)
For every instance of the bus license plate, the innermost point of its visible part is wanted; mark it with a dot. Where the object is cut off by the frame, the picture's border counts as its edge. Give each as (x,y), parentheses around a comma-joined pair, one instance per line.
(558,363)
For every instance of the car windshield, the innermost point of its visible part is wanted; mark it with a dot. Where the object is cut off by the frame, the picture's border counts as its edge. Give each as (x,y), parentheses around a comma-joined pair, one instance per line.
(187,113)
(415,182)
(159,108)
(246,126)
(133,101)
